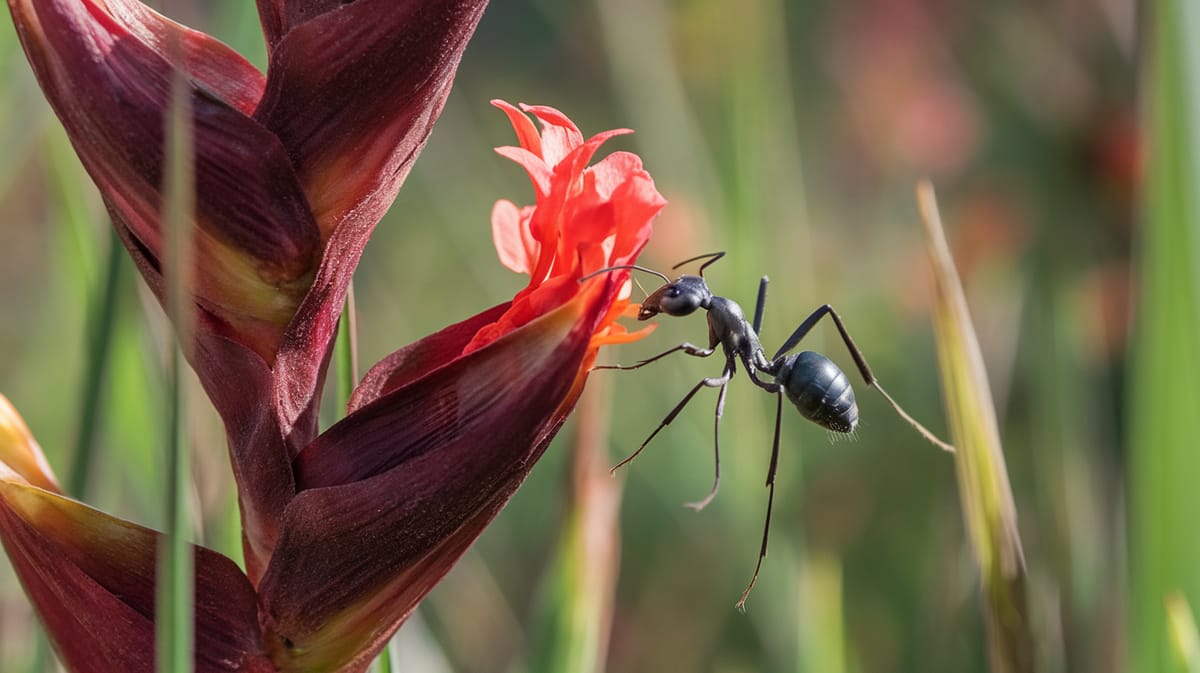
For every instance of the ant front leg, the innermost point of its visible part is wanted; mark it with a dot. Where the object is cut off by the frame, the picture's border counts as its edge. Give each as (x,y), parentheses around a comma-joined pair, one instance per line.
(688,348)
(860,361)
(716,382)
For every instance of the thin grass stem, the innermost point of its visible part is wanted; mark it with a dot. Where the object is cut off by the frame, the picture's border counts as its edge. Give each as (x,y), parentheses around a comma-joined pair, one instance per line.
(102,325)
(346,352)
(989,509)
(174,609)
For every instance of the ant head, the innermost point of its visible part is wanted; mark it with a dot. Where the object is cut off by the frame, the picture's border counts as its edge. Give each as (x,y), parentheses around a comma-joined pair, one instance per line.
(680,297)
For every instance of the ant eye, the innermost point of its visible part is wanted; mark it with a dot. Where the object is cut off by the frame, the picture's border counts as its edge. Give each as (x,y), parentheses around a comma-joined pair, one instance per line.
(672,292)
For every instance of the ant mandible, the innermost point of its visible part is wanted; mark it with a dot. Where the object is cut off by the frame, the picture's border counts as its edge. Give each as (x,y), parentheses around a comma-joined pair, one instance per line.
(812,382)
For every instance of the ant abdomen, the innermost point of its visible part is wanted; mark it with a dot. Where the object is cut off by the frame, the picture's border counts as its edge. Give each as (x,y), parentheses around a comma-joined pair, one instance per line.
(820,391)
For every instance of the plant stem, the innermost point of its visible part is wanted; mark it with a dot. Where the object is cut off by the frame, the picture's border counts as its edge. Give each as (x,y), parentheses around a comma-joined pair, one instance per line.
(100,332)
(174,609)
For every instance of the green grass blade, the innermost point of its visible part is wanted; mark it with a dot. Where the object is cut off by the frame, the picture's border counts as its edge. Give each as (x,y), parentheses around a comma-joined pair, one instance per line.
(576,613)
(1165,366)
(174,610)
(822,645)
(383,664)
(984,491)
(102,325)
(1185,643)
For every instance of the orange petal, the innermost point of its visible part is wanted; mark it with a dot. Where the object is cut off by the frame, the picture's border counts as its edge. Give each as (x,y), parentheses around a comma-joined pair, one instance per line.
(20,452)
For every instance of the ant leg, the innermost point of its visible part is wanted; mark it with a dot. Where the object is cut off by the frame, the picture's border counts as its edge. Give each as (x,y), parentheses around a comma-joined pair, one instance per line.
(699,505)
(807,326)
(760,305)
(861,362)
(762,553)
(718,382)
(768,386)
(688,348)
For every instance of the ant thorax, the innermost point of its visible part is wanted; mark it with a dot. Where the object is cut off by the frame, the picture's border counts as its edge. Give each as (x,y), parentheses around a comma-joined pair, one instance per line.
(727,326)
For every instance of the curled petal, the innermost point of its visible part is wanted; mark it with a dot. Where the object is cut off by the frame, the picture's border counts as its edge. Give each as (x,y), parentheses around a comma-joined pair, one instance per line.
(20,452)
(527,133)
(391,496)
(559,134)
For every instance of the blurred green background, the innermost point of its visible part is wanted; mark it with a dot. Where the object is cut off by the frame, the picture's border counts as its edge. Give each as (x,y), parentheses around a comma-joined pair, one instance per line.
(791,135)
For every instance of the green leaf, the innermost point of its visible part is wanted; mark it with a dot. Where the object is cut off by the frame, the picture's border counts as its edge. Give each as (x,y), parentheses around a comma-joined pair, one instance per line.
(1165,365)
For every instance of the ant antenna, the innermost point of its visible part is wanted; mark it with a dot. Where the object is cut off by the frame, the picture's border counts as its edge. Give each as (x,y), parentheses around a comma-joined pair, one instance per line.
(714,257)
(626,266)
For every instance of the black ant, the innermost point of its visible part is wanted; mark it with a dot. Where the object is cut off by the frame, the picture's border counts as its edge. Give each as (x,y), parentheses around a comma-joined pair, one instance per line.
(811,381)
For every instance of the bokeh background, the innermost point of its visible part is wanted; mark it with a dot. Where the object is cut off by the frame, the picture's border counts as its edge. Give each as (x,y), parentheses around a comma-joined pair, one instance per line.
(790,134)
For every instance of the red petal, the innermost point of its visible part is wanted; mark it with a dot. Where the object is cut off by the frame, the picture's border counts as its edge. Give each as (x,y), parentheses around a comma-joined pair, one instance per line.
(548,222)
(527,134)
(539,172)
(398,490)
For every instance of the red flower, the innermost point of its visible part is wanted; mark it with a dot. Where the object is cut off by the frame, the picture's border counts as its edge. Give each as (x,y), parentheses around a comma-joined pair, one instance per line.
(439,435)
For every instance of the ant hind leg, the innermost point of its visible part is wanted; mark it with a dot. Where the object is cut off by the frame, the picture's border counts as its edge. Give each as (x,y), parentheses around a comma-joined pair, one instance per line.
(762,553)
(860,361)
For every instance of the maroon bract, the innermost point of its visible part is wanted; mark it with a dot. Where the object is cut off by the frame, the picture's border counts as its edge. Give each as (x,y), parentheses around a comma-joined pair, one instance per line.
(292,172)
